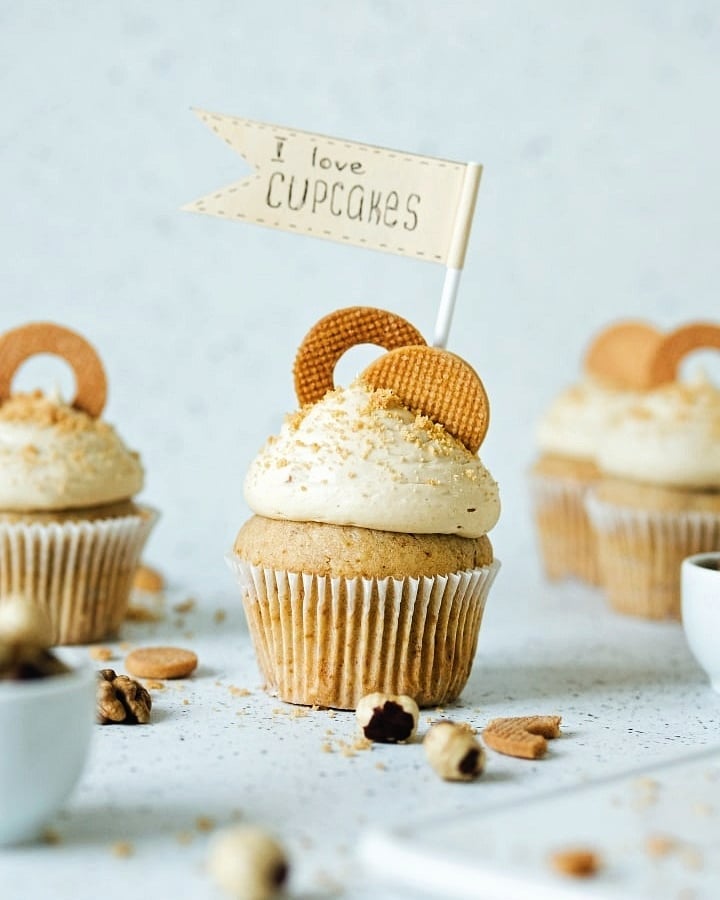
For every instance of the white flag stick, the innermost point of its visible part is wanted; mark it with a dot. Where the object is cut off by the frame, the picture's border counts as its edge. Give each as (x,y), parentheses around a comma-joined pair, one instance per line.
(456,254)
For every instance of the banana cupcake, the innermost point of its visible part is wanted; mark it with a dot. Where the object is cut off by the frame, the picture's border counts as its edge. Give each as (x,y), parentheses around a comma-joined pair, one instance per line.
(659,498)
(70,531)
(567,438)
(367,565)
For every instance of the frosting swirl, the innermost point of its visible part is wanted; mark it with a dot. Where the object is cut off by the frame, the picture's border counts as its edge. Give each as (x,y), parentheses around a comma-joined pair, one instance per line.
(359,457)
(55,457)
(668,436)
(577,419)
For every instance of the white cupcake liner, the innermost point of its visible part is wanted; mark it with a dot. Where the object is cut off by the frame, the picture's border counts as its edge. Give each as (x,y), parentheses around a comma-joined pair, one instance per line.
(80,573)
(640,553)
(567,542)
(329,641)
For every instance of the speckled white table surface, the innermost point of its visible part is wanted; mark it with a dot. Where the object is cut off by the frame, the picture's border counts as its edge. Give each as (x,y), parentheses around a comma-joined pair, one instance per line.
(220,750)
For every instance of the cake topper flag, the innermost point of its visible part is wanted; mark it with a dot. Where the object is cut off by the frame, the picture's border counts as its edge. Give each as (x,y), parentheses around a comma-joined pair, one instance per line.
(352,193)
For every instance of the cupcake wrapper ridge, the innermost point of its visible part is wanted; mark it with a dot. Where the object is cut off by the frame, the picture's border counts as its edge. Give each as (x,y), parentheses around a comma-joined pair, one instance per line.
(80,573)
(640,553)
(567,542)
(329,641)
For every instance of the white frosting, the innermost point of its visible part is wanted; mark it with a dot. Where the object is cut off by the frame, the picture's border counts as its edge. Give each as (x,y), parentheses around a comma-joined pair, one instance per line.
(360,458)
(54,457)
(669,436)
(578,418)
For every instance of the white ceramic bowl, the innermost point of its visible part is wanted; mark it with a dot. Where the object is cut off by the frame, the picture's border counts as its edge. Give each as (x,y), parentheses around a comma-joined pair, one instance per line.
(45,730)
(700,587)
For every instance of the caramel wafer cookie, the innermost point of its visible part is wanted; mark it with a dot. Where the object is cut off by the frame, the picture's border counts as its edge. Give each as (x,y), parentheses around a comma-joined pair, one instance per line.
(523,736)
(438,384)
(621,354)
(336,333)
(675,347)
(161,662)
(21,343)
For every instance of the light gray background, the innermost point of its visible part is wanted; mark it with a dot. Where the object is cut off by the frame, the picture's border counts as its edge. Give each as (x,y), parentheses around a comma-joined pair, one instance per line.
(597,125)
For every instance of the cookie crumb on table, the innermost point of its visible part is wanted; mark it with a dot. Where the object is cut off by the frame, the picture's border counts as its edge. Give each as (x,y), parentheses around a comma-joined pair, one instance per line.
(101,654)
(658,845)
(148,580)
(122,849)
(577,862)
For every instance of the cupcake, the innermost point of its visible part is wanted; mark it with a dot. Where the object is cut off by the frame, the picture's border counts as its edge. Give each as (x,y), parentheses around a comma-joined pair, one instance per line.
(70,531)
(366,565)
(567,439)
(658,500)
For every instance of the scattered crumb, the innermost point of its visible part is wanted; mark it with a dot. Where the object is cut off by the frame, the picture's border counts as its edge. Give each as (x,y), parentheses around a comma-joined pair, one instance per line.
(189,635)
(155,685)
(702,809)
(186,702)
(649,785)
(658,845)
(137,613)
(204,823)
(381,766)
(51,836)
(148,579)
(326,747)
(577,863)
(691,858)
(299,713)
(102,654)
(184,837)
(238,691)
(122,849)
(220,616)
(186,606)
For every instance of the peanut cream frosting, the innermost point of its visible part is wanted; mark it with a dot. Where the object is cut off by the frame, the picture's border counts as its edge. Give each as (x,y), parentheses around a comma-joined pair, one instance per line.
(668,436)
(359,457)
(53,456)
(577,419)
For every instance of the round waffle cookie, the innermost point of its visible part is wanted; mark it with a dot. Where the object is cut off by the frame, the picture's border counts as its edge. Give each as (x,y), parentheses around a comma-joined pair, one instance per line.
(620,355)
(438,384)
(675,346)
(336,333)
(21,343)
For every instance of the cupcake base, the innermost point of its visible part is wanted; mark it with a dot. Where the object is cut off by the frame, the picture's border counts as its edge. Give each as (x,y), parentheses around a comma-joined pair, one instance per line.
(328,641)
(567,544)
(79,571)
(640,552)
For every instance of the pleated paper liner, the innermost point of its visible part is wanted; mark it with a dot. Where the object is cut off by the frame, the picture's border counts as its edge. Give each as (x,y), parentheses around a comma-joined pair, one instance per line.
(565,535)
(640,553)
(80,573)
(329,641)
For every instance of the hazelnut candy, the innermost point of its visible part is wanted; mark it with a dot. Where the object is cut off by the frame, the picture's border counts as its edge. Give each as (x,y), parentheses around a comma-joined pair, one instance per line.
(387,718)
(248,863)
(454,752)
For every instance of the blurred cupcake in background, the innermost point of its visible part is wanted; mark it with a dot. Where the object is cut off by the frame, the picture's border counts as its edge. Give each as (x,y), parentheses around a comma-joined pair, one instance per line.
(70,532)
(568,435)
(658,500)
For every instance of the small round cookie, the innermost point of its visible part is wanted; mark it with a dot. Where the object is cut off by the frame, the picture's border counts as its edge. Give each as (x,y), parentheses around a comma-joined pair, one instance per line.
(439,385)
(620,355)
(675,347)
(336,333)
(21,343)
(161,662)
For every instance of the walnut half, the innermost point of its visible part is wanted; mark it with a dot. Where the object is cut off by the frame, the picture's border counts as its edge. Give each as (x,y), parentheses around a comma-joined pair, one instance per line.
(121,700)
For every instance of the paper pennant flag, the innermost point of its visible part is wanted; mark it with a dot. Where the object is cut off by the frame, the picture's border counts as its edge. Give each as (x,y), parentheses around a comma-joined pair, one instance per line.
(358,194)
